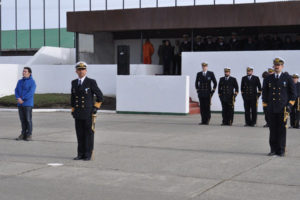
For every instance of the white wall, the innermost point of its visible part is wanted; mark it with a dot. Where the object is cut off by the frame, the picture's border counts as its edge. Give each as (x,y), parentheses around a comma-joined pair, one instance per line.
(53,56)
(57,78)
(14,59)
(141,69)
(162,94)
(238,62)
(9,79)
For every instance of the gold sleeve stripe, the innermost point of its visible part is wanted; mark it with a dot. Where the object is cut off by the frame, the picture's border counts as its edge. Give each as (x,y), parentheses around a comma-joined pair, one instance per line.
(292,102)
(264,104)
(98,104)
(73,109)
(259,92)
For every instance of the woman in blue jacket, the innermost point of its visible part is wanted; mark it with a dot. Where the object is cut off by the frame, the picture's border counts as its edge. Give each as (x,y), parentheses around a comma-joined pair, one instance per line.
(24,93)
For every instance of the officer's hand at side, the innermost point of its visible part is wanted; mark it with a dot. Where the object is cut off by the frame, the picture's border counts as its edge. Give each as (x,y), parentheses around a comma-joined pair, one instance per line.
(212,92)
(95,110)
(289,108)
(72,112)
(258,95)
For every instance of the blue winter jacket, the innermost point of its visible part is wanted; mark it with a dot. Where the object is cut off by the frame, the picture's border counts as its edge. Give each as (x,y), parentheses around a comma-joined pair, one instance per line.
(25,90)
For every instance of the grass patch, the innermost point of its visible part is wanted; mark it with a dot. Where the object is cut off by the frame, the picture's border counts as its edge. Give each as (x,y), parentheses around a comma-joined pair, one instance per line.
(54,100)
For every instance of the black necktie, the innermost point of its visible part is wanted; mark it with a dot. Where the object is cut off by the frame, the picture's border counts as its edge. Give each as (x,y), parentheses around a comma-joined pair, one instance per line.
(79,83)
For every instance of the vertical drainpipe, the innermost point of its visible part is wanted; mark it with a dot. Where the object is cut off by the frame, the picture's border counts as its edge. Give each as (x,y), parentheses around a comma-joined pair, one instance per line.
(77,46)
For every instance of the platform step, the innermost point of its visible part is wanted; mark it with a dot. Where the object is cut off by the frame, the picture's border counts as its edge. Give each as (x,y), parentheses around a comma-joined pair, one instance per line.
(194,111)
(194,107)
(194,104)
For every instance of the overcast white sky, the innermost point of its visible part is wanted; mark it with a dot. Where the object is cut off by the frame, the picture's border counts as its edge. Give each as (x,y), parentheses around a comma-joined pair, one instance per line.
(8,9)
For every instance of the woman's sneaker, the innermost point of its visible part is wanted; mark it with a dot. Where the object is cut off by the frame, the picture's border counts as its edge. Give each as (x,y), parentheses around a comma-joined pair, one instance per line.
(28,138)
(21,137)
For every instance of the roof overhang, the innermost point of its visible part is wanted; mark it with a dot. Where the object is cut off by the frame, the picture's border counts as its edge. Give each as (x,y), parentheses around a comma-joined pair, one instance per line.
(189,17)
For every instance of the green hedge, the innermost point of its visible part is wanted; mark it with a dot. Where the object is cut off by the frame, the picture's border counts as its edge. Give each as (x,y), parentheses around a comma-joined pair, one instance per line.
(40,101)
(54,101)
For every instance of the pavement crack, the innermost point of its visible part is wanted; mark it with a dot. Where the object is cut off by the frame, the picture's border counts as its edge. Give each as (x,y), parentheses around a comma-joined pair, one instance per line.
(23,172)
(182,149)
(231,178)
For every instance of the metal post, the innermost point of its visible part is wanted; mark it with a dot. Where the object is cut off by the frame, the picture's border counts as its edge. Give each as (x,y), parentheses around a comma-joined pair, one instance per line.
(105,4)
(192,42)
(59,23)
(142,60)
(156,3)
(16,22)
(0,28)
(77,46)
(29,24)
(44,21)
(74,33)
(233,1)
(194,2)
(90,5)
(175,3)
(140,3)
(123,4)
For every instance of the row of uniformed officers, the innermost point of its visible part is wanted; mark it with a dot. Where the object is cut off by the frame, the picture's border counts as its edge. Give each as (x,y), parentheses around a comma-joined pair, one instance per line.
(280,96)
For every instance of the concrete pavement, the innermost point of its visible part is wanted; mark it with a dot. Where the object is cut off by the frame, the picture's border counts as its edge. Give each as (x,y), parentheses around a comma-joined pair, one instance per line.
(146,157)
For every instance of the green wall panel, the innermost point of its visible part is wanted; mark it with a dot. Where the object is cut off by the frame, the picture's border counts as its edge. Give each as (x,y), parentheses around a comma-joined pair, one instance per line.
(37,39)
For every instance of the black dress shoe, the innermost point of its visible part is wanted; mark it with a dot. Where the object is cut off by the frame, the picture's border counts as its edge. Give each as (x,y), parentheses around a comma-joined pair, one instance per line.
(281,154)
(78,158)
(271,154)
(87,159)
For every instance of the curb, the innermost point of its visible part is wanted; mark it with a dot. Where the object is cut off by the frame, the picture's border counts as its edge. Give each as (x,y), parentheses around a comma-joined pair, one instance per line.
(51,110)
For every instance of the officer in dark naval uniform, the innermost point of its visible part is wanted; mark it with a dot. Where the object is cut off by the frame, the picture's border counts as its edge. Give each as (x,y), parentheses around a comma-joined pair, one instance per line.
(228,90)
(251,91)
(264,76)
(295,114)
(279,96)
(186,45)
(83,107)
(199,44)
(205,92)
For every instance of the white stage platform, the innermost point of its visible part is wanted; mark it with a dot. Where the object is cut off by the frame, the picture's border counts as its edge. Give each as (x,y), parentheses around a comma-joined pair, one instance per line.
(153,94)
